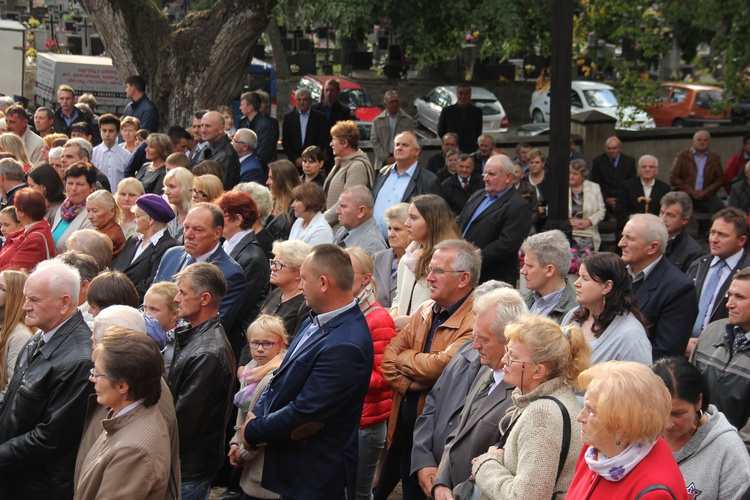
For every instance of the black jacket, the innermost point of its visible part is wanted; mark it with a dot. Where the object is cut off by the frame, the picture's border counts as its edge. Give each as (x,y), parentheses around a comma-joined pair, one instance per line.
(455,194)
(630,192)
(60,126)
(223,152)
(316,133)
(683,250)
(202,383)
(608,178)
(467,123)
(423,182)
(143,270)
(740,196)
(698,271)
(43,412)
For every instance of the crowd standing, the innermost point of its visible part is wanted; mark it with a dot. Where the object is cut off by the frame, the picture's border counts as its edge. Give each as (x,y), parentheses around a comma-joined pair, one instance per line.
(182,309)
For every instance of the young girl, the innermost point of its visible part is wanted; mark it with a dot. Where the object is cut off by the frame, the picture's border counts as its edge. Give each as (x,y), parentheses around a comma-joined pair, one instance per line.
(159,304)
(9,222)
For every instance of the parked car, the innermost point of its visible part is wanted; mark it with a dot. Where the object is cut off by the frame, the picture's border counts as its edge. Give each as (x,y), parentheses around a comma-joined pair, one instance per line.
(688,105)
(527,130)
(427,109)
(587,96)
(352,95)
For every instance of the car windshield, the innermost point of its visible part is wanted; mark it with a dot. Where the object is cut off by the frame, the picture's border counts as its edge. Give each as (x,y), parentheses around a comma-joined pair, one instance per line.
(600,98)
(357,97)
(488,107)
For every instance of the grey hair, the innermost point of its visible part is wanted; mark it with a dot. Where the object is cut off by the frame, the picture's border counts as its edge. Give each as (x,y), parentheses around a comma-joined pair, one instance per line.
(303,92)
(292,251)
(118,315)
(702,132)
(449,134)
(648,157)
(204,278)
(550,247)
(389,93)
(678,198)
(261,195)
(84,146)
(6,101)
(489,286)
(654,229)
(400,211)
(505,164)
(507,304)
(479,139)
(360,196)
(468,258)
(414,139)
(247,136)
(12,169)
(56,152)
(61,278)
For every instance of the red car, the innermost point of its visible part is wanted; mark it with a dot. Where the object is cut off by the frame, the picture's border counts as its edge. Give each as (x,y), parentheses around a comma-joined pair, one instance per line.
(352,95)
(688,105)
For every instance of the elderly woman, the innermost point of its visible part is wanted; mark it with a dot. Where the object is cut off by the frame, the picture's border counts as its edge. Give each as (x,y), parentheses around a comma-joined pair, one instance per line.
(32,244)
(623,454)
(386,261)
(55,159)
(105,215)
(151,174)
(451,164)
(311,225)
(585,207)
(282,179)
(351,167)
(128,190)
(141,255)
(262,197)
(541,439)
(711,455)
(44,179)
(80,182)
(94,244)
(134,442)
(206,188)
(607,312)
(178,185)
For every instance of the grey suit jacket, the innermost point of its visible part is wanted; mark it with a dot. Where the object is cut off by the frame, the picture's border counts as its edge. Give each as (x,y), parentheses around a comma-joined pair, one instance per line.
(382,276)
(474,433)
(367,235)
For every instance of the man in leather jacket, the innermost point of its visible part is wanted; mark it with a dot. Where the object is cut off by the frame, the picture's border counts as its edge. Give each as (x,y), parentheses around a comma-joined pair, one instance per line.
(201,377)
(42,417)
(219,149)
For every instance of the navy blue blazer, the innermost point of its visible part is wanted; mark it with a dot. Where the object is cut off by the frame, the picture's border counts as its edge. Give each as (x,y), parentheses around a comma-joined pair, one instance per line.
(231,304)
(668,301)
(251,170)
(309,414)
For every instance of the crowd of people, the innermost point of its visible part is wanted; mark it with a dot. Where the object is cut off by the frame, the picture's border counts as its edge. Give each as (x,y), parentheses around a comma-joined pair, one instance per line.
(185,308)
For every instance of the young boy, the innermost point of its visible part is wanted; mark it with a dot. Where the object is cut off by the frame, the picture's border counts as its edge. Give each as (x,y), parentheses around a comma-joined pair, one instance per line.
(108,156)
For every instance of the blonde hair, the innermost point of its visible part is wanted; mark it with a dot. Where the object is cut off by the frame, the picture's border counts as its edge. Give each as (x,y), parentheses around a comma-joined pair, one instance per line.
(168,291)
(108,201)
(50,138)
(563,351)
(131,185)
(362,261)
(293,251)
(535,153)
(184,179)
(13,144)
(270,324)
(14,298)
(615,387)
(211,185)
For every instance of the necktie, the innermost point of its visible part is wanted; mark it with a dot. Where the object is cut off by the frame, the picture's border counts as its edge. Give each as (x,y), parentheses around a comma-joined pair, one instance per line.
(342,237)
(39,346)
(465,184)
(483,393)
(188,261)
(708,294)
(670,247)
(739,339)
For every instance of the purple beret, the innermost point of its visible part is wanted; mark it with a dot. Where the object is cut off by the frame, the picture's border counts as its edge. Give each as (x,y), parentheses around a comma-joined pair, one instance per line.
(156,207)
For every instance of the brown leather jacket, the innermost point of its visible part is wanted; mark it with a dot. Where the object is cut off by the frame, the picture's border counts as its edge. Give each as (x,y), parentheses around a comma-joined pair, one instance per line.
(684,172)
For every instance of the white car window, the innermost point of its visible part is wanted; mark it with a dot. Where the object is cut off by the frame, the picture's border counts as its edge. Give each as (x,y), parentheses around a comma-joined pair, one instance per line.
(600,98)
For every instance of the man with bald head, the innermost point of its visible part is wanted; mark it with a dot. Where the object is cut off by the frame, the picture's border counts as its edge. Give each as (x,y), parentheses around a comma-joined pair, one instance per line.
(699,173)
(610,169)
(245,142)
(219,148)
(358,225)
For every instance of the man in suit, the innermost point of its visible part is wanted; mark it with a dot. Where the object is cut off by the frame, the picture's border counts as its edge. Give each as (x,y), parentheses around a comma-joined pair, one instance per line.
(202,232)
(462,118)
(303,127)
(486,148)
(682,249)
(665,296)
(403,180)
(42,416)
(642,194)
(436,162)
(310,411)
(713,272)
(335,112)
(253,119)
(358,225)
(497,220)
(17,121)
(610,169)
(245,142)
(11,180)
(489,396)
(416,357)
(387,126)
(458,188)
(699,173)
(219,148)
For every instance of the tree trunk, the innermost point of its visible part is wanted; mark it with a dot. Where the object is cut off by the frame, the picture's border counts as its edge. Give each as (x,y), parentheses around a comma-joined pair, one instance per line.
(279,52)
(198,63)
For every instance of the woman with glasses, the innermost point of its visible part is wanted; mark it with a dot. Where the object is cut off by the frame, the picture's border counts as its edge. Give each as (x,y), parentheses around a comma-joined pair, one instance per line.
(44,179)
(267,340)
(541,438)
(206,188)
(585,207)
(14,334)
(178,185)
(151,174)
(286,300)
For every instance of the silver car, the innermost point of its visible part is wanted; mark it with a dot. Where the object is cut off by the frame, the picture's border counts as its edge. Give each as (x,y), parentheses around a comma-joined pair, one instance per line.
(427,109)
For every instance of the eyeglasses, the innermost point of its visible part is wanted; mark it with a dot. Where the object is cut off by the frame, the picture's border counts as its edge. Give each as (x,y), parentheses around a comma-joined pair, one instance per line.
(93,374)
(277,265)
(440,272)
(199,193)
(267,344)
(510,360)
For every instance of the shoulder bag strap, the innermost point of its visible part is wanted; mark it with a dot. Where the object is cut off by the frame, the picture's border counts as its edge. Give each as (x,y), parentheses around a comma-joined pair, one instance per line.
(656,487)
(46,247)
(566,436)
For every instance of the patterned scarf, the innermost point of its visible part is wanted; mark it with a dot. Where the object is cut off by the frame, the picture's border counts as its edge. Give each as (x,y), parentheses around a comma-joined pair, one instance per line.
(411,257)
(617,467)
(69,211)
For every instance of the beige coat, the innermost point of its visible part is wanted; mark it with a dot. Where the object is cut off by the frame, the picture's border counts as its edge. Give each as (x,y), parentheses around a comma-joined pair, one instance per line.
(593,210)
(352,170)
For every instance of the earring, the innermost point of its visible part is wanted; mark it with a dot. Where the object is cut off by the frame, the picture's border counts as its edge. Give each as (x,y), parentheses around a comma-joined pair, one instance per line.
(617,443)
(604,301)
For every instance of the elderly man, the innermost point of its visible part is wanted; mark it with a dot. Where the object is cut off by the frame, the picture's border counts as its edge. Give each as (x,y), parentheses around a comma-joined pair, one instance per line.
(458,188)
(698,172)
(545,266)
(722,354)
(641,194)
(462,118)
(202,232)
(403,180)
(219,148)
(303,127)
(436,162)
(141,107)
(682,249)
(11,180)
(44,119)
(489,396)
(44,408)
(486,148)
(415,358)
(665,296)
(250,104)
(313,404)
(522,149)
(610,169)
(201,377)
(17,121)
(358,226)
(387,126)
(497,220)
(245,142)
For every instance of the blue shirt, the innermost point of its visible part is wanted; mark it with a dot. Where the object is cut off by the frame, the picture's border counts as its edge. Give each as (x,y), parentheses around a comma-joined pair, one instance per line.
(700,163)
(486,202)
(391,194)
